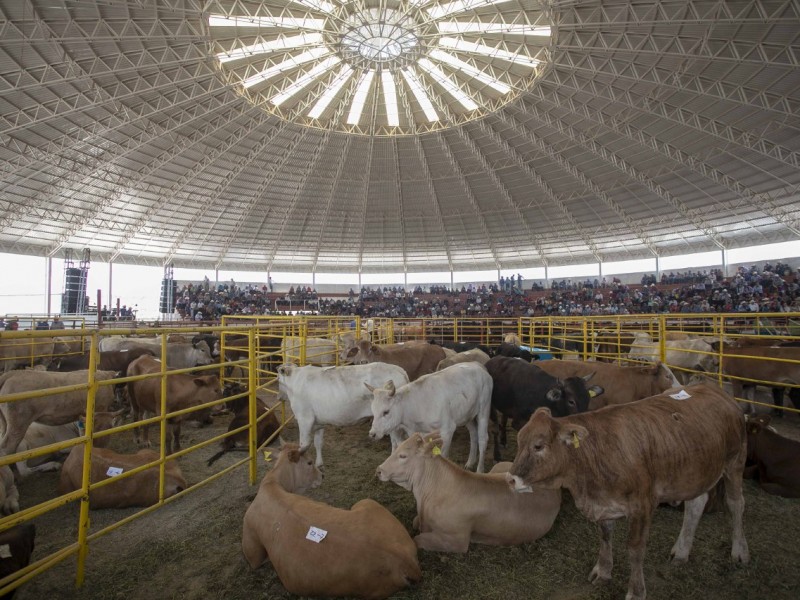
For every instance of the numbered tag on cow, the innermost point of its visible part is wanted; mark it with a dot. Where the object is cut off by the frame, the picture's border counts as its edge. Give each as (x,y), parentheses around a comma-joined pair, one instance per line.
(114,471)
(5,551)
(682,395)
(316,535)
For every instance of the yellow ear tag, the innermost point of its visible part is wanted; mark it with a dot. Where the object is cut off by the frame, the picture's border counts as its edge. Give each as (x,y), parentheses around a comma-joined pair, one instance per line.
(267,456)
(437,451)
(592,393)
(575,441)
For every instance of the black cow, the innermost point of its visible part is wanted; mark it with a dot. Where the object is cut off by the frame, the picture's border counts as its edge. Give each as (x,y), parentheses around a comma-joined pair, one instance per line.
(520,388)
(514,351)
(18,544)
(462,346)
(212,341)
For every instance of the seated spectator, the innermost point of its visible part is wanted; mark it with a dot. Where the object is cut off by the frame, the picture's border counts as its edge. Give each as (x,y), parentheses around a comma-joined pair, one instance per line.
(57,323)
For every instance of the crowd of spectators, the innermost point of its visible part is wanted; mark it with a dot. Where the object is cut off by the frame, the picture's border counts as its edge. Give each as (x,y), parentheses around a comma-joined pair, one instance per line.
(769,289)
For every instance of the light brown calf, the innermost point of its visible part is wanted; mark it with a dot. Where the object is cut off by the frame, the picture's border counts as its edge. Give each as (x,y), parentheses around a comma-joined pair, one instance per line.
(366,551)
(417,359)
(140,489)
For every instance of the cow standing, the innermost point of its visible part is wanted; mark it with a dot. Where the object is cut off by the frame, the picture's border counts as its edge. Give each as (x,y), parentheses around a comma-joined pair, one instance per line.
(416,358)
(365,552)
(622,461)
(520,388)
(459,395)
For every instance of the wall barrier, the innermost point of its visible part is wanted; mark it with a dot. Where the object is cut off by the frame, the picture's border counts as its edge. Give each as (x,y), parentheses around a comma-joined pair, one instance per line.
(252,347)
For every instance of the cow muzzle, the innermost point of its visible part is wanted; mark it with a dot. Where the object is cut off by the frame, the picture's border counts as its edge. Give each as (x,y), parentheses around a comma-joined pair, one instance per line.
(516,484)
(373,435)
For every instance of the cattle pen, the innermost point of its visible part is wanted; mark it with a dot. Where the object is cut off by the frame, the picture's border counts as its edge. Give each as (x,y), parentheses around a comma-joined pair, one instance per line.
(188,546)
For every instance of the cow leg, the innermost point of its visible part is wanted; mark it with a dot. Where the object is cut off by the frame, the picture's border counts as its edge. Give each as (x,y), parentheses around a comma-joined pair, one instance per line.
(254,552)
(638,533)
(15,432)
(777,401)
(601,573)
(734,499)
(692,511)
(473,444)
(306,426)
(447,439)
(495,435)
(443,542)
(174,437)
(318,434)
(483,439)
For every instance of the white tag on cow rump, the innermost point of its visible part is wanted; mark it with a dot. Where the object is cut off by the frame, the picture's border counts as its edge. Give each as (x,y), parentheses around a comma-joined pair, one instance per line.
(682,395)
(114,471)
(316,535)
(5,551)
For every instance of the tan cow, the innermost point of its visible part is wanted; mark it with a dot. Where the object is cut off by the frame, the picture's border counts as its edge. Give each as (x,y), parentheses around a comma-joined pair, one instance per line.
(755,362)
(20,352)
(620,384)
(622,461)
(319,550)
(683,356)
(140,489)
(417,359)
(183,391)
(473,355)
(456,507)
(53,409)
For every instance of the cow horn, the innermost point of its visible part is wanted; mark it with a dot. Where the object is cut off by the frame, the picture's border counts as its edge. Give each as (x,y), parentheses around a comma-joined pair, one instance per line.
(588,377)
(369,387)
(389,387)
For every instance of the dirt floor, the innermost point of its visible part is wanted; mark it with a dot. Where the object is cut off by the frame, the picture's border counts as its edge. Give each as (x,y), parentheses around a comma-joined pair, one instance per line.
(191,549)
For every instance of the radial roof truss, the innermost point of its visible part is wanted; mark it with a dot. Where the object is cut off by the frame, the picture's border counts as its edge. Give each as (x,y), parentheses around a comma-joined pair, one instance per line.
(648,128)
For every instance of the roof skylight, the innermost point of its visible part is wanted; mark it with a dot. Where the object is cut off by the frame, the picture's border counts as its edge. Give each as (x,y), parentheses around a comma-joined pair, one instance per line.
(401,68)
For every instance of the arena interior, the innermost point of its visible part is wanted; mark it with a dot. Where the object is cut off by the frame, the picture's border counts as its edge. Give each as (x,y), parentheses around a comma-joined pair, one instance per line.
(559,186)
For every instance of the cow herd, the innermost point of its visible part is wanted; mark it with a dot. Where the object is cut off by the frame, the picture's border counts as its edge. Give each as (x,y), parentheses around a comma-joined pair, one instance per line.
(620,439)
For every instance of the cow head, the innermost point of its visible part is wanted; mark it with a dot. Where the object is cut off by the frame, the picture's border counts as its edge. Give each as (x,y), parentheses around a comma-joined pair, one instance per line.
(364,352)
(755,425)
(543,448)
(385,413)
(285,380)
(406,459)
(207,389)
(662,378)
(571,395)
(296,470)
(203,354)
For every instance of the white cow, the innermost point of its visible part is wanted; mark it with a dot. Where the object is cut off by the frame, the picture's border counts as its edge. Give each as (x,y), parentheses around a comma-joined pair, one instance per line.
(180,355)
(322,396)
(696,354)
(458,395)
(320,351)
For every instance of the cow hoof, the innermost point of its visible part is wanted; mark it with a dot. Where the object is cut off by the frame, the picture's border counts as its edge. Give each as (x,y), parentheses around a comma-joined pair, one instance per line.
(678,560)
(596,578)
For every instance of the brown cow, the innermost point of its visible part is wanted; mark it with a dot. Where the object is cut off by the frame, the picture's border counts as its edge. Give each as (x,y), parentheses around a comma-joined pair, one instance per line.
(753,362)
(621,461)
(111,360)
(366,551)
(772,459)
(9,494)
(608,345)
(267,425)
(417,359)
(620,384)
(140,489)
(183,391)
(52,409)
(456,507)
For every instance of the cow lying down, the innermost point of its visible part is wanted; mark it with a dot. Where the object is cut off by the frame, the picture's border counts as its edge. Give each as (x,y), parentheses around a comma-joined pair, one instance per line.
(16,547)
(772,459)
(140,489)
(319,550)
(456,507)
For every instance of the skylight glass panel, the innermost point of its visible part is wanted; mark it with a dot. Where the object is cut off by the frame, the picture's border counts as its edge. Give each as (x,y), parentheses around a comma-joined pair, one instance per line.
(286,65)
(451,8)
(480,27)
(303,81)
(328,95)
(390,98)
(281,22)
(419,94)
(320,5)
(448,85)
(360,98)
(467,68)
(285,43)
(465,46)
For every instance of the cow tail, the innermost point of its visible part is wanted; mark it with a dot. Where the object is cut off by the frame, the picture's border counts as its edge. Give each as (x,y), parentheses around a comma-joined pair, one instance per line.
(216,457)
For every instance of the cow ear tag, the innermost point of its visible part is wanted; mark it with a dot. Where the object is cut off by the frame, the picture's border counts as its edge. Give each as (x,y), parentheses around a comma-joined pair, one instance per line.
(267,456)
(575,441)
(436,451)
(592,393)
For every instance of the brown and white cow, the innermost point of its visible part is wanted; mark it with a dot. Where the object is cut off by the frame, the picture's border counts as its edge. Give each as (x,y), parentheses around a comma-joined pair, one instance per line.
(417,359)
(140,489)
(456,507)
(772,459)
(183,391)
(620,384)
(622,461)
(53,409)
(319,550)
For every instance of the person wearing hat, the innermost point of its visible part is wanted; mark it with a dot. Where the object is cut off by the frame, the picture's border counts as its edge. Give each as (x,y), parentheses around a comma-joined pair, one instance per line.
(57,323)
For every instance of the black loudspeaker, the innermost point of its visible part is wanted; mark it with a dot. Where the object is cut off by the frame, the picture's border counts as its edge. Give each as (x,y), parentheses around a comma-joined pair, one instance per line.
(169,294)
(74,291)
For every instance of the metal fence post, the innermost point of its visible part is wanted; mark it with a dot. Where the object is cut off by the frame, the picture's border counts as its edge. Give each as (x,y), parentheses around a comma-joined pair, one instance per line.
(253,416)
